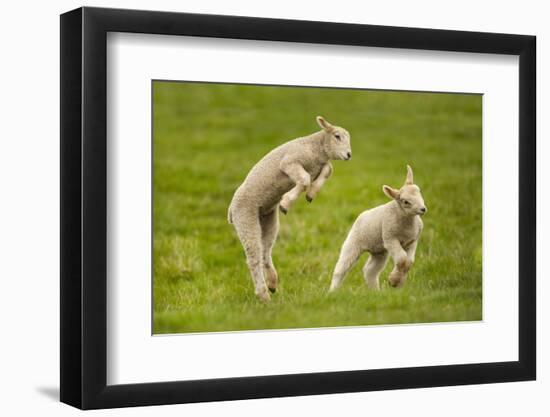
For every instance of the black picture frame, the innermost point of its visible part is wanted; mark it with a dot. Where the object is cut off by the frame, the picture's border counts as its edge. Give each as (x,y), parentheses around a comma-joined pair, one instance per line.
(84,207)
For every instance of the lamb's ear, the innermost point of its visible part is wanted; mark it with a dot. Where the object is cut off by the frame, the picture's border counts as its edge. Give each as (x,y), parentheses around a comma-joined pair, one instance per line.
(409,179)
(390,192)
(324,124)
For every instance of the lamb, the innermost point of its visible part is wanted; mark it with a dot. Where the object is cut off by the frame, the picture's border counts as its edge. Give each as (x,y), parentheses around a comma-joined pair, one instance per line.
(390,229)
(274,184)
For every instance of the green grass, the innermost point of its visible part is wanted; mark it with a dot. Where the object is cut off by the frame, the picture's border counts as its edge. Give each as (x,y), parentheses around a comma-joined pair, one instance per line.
(208,136)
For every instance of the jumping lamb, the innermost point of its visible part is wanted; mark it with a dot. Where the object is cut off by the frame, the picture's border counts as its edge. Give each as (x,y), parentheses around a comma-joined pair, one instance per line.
(275,183)
(390,229)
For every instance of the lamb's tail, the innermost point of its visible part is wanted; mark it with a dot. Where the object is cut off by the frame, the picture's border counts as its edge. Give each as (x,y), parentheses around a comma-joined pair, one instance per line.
(229,216)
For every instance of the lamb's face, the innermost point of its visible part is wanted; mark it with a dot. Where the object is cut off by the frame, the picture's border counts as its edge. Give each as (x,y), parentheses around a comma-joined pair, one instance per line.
(408,197)
(338,143)
(411,201)
(336,140)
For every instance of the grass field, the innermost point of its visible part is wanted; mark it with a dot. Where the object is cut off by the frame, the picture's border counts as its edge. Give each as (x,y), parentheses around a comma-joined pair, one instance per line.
(208,136)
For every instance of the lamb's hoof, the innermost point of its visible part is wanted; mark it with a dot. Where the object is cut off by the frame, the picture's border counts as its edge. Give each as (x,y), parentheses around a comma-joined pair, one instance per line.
(283,210)
(396,282)
(272,290)
(264,297)
(309,199)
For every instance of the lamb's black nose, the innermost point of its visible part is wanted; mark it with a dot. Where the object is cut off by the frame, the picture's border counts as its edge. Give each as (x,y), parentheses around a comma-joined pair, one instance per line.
(423,209)
(349,155)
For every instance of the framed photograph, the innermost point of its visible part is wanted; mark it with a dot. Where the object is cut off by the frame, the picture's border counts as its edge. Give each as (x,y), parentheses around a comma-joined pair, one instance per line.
(257,208)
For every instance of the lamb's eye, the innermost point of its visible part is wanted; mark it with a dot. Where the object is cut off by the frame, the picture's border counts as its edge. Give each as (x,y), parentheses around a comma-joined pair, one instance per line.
(337,136)
(406,202)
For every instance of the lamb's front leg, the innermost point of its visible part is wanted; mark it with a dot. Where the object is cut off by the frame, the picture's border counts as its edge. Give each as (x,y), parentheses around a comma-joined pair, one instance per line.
(300,177)
(316,185)
(401,261)
(411,251)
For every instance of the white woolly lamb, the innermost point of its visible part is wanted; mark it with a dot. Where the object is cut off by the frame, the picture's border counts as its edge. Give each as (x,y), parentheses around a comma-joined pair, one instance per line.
(390,229)
(277,180)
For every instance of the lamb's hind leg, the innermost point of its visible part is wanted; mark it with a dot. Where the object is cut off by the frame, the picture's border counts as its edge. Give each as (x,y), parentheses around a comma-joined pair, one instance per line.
(247,225)
(270,229)
(374,265)
(348,256)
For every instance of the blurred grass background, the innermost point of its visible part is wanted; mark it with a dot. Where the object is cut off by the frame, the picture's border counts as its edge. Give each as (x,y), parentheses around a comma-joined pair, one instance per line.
(208,136)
